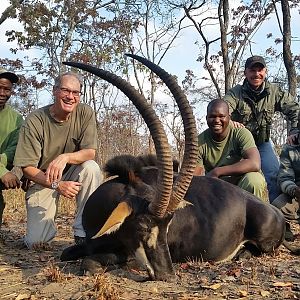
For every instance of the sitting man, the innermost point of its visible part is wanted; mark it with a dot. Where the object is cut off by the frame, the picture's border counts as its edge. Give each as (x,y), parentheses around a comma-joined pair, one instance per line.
(56,148)
(289,182)
(229,153)
(11,122)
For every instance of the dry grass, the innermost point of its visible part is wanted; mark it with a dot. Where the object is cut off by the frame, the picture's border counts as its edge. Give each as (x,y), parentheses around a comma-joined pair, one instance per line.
(104,288)
(39,274)
(53,273)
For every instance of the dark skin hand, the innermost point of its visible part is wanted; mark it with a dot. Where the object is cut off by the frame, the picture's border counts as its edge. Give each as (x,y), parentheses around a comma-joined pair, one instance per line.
(10,180)
(249,163)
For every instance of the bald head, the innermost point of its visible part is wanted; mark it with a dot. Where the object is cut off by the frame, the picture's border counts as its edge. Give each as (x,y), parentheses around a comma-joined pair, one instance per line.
(217,103)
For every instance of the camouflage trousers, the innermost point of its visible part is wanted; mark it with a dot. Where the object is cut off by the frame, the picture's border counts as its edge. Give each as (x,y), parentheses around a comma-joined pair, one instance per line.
(289,207)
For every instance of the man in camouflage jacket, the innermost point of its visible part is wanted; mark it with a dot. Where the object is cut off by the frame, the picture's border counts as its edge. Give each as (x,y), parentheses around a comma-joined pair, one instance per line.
(253,105)
(289,182)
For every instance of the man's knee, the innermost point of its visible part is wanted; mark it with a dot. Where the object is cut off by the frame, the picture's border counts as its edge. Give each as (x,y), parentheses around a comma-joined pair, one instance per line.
(253,180)
(255,183)
(92,169)
(281,201)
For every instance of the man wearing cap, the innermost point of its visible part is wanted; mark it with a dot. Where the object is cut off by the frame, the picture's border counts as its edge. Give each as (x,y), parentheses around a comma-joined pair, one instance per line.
(9,130)
(253,105)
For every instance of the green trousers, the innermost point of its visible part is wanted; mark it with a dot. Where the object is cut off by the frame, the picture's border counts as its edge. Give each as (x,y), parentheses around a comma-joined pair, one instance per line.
(253,182)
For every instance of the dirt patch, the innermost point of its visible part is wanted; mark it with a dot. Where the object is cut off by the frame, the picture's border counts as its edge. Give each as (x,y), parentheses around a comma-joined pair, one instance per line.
(39,274)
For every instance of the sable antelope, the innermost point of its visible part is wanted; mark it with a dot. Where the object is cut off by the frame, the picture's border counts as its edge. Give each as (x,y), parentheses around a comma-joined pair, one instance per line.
(143,213)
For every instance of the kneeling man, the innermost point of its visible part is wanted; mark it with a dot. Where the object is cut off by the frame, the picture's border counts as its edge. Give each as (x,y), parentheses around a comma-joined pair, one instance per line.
(229,153)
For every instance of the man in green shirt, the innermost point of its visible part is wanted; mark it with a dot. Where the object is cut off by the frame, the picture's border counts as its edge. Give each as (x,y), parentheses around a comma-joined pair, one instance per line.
(229,153)
(56,150)
(9,130)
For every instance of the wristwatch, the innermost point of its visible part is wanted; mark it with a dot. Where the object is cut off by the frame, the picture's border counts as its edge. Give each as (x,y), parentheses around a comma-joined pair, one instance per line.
(54,185)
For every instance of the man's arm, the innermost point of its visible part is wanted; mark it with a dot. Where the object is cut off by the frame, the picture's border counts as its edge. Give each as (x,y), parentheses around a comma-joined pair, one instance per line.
(54,172)
(231,99)
(249,163)
(286,174)
(9,179)
(199,171)
(290,108)
(55,169)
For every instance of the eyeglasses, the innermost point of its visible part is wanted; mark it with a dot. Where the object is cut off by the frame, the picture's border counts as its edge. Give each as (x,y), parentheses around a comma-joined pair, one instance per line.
(66,92)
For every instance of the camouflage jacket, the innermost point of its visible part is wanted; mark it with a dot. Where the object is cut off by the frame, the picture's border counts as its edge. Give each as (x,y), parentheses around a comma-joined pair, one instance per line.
(289,171)
(256,111)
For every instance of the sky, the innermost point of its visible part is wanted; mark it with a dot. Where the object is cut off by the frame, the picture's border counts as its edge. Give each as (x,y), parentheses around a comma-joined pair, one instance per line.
(184,54)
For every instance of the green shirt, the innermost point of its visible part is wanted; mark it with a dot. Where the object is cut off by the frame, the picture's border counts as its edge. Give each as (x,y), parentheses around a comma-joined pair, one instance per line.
(11,122)
(214,154)
(42,138)
(256,111)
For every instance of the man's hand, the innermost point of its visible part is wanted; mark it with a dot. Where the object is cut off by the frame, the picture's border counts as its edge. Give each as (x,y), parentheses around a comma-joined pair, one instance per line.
(69,189)
(292,139)
(10,180)
(56,167)
(235,124)
(214,173)
(297,194)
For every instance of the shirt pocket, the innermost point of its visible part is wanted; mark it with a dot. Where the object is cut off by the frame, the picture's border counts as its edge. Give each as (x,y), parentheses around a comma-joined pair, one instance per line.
(243,114)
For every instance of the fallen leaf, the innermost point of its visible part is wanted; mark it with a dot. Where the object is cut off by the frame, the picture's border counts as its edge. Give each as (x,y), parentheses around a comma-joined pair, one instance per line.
(22,297)
(264,293)
(234,272)
(213,286)
(282,284)
(243,293)
(184,266)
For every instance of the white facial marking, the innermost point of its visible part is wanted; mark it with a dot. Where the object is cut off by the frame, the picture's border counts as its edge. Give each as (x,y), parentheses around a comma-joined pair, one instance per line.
(141,257)
(233,254)
(152,241)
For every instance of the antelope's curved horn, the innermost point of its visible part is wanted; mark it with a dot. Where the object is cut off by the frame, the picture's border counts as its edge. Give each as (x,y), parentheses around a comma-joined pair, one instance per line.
(163,152)
(191,145)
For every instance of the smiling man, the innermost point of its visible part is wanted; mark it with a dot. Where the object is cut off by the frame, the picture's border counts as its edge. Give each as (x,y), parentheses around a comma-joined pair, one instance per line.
(253,105)
(56,151)
(229,153)
(11,122)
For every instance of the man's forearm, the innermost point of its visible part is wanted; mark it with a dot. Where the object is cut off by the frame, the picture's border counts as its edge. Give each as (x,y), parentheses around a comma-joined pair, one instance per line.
(36,175)
(80,156)
(242,167)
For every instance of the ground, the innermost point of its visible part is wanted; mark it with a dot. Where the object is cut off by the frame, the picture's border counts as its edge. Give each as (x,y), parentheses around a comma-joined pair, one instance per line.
(39,274)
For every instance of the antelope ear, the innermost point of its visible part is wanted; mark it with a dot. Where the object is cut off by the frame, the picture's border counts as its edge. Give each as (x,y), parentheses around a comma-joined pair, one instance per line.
(115,220)
(183,203)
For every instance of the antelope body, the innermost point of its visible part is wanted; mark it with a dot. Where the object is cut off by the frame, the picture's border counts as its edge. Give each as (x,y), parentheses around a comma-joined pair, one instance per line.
(217,221)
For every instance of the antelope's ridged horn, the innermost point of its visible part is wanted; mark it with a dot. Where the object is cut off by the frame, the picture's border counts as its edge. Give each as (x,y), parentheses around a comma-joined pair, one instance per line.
(163,151)
(191,144)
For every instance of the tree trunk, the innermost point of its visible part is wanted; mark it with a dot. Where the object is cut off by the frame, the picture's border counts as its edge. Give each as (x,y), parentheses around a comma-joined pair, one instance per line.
(287,53)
